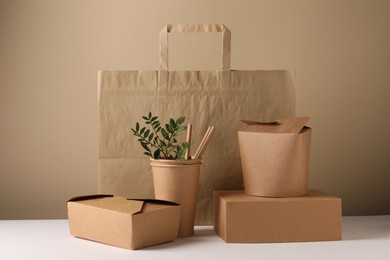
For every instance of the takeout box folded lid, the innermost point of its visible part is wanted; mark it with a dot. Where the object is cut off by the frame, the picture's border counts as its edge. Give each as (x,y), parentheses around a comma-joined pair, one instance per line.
(290,125)
(121,204)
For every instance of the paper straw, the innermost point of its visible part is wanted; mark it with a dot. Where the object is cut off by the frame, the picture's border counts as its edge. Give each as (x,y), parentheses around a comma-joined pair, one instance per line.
(204,143)
(201,143)
(189,133)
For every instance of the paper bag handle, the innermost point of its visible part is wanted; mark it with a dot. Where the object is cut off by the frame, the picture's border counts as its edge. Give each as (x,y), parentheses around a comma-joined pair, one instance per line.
(179,28)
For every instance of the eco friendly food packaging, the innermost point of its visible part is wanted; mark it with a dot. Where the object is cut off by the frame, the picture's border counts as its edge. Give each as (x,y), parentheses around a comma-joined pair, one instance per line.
(203,96)
(241,218)
(275,157)
(178,181)
(126,223)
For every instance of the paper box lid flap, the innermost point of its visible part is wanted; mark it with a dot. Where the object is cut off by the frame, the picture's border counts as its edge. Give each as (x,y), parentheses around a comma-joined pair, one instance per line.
(154,205)
(110,202)
(120,204)
(156,201)
(290,125)
(90,197)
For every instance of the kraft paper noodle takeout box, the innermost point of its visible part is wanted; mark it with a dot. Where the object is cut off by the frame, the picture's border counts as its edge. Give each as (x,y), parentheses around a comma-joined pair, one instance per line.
(275,157)
(126,223)
(241,218)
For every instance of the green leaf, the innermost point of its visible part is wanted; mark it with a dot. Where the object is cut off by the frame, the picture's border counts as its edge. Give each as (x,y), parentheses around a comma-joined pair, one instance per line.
(158,129)
(181,128)
(180,120)
(174,140)
(137,127)
(146,133)
(165,134)
(180,152)
(155,123)
(148,153)
(151,137)
(147,122)
(153,118)
(172,122)
(142,130)
(185,145)
(150,115)
(134,132)
(144,117)
(156,154)
(168,128)
(145,146)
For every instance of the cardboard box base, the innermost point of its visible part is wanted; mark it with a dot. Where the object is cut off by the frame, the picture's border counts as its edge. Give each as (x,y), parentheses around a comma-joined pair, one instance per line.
(240,218)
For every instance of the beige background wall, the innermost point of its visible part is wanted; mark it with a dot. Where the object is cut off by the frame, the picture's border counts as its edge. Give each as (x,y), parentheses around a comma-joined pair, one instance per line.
(50,52)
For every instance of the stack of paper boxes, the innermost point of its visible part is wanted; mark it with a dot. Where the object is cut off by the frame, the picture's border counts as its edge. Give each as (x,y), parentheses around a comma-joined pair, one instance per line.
(276,205)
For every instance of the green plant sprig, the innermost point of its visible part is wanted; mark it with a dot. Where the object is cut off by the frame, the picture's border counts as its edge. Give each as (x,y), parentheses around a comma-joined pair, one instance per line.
(160,142)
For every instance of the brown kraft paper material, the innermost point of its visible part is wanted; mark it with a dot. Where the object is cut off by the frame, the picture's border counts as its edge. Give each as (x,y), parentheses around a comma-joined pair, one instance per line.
(178,181)
(275,157)
(126,223)
(241,218)
(207,98)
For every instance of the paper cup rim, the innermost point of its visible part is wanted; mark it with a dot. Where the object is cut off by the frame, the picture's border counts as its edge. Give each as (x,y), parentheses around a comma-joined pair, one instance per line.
(168,163)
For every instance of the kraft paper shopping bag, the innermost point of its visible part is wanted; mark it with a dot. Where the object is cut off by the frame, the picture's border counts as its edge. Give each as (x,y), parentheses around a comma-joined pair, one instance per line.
(219,98)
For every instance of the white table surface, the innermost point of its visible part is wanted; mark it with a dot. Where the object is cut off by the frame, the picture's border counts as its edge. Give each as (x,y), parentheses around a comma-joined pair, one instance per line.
(363,238)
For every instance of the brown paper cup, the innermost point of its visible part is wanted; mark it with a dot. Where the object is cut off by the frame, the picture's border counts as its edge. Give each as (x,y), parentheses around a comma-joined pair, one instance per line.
(178,181)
